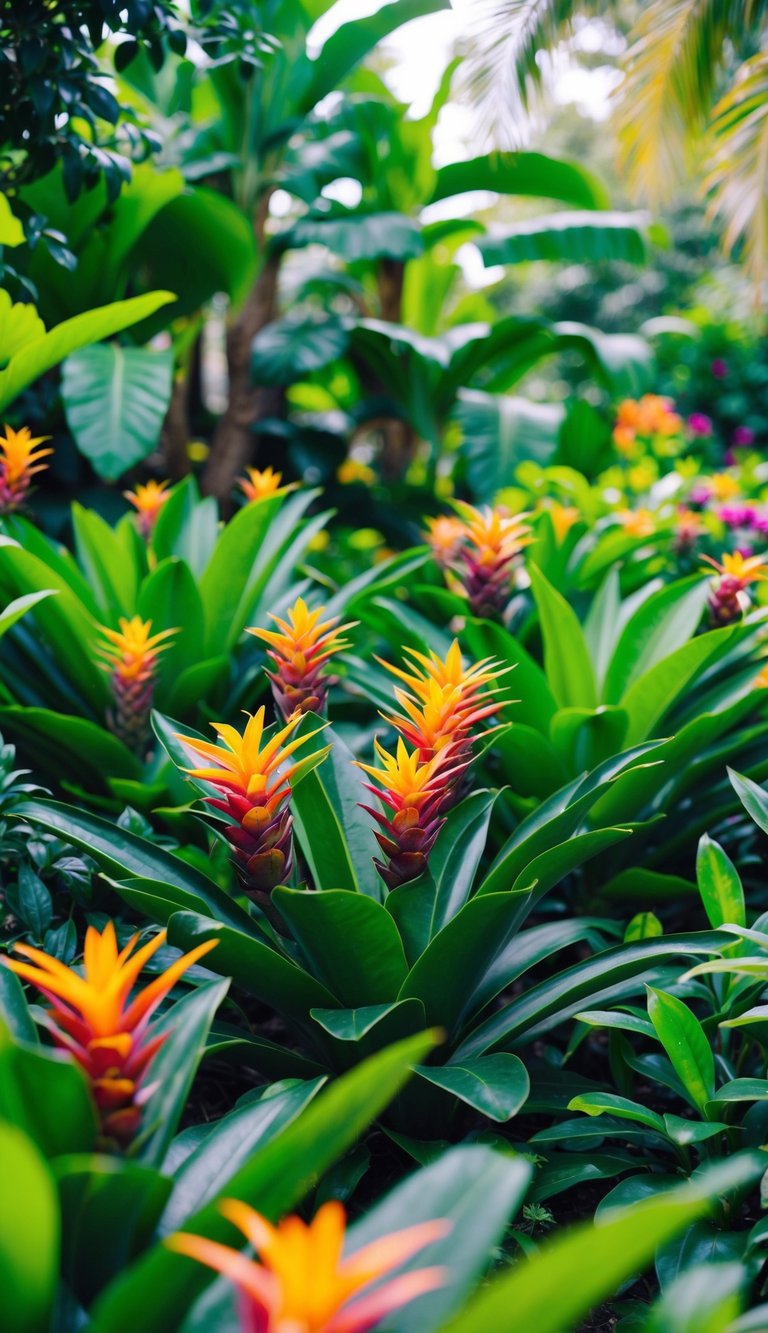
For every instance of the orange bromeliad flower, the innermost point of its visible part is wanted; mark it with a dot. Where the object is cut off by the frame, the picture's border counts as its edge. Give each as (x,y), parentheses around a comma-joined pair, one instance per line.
(20,459)
(303,1283)
(562,517)
(92,1017)
(261,482)
(637,522)
(417,794)
(445,534)
(300,652)
(491,542)
(254,779)
(737,571)
(148,500)
(647,416)
(131,654)
(444,699)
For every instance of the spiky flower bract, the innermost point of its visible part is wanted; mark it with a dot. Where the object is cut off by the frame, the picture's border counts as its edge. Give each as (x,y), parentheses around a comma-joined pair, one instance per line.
(261,482)
(491,542)
(131,654)
(736,572)
(148,499)
(300,649)
(20,459)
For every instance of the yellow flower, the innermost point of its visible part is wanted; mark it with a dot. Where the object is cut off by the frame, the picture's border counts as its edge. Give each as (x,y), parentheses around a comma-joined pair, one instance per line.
(91,1016)
(300,652)
(742,569)
(637,522)
(303,1284)
(259,483)
(563,518)
(148,500)
(351,470)
(641,477)
(131,654)
(445,534)
(723,486)
(445,701)
(20,459)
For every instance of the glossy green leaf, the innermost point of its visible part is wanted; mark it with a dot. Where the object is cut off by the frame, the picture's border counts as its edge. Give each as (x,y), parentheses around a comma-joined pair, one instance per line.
(115,399)
(29,1235)
(566,657)
(350,943)
(719,885)
(686,1044)
(495,1085)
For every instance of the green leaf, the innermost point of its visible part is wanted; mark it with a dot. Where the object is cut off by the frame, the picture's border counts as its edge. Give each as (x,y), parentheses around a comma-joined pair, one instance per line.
(495,1085)
(110,1208)
(354,1024)
(334,833)
(607,1103)
(274,1180)
(113,561)
(80,750)
(566,657)
(752,797)
(719,885)
(349,941)
(185,1027)
(29,1235)
(294,347)
(568,237)
(46,1095)
(115,399)
(350,44)
(44,352)
(686,1044)
(229,1144)
(534,175)
(14,1010)
(501,431)
(11,230)
(663,623)
(552,1291)
(356,234)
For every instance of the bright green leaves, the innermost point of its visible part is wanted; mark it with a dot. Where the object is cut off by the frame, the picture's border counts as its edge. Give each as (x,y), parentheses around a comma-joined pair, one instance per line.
(686,1045)
(495,1085)
(116,399)
(719,885)
(29,1235)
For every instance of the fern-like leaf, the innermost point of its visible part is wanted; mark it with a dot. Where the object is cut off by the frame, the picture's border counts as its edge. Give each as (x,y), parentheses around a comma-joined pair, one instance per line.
(738,179)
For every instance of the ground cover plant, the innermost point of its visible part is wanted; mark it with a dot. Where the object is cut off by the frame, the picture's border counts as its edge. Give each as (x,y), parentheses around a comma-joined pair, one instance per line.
(383,676)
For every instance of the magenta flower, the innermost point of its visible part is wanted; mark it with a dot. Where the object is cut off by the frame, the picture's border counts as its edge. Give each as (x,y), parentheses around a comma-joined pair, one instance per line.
(742,437)
(719,368)
(700,424)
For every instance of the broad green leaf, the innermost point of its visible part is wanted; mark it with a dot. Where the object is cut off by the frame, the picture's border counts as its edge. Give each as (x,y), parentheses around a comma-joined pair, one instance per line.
(274,1180)
(78,749)
(350,943)
(662,624)
(575,238)
(355,1024)
(14,1010)
(29,1235)
(500,432)
(534,175)
(495,1085)
(46,1094)
(719,885)
(229,1144)
(334,833)
(11,230)
(44,352)
(115,399)
(686,1044)
(350,44)
(607,1103)
(185,1027)
(112,566)
(566,657)
(752,797)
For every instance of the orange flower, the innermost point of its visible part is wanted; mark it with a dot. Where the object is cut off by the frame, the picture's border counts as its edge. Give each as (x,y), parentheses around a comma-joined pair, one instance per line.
(20,459)
(148,499)
(445,534)
(637,522)
(92,1018)
(444,699)
(300,653)
(417,793)
(131,658)
(742,569)
(491,542)
(563,518)
(303,1284)
(254,782)
(259,483)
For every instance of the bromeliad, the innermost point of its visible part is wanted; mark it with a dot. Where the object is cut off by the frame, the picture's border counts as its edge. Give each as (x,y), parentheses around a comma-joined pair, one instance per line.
(131,654)
(444,699)
(303,1284)
(728,599)
(93,1019)
(20,459)
(485,564)
(148,500)
(301,651)
(253,776)
(261,482)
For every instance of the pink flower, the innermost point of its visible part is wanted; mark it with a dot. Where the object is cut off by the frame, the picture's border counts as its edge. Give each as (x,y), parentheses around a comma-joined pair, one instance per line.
(699,424)
(719,368)
(742,437)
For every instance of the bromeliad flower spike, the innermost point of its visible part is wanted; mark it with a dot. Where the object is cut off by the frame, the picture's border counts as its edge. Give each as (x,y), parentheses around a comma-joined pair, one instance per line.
(254,779)
(260,483)
(736,573)
(444,699)
(148,500)
(303,1284)
(92,1018)
(20,459)
(131,654)
(492,542)
(301,651)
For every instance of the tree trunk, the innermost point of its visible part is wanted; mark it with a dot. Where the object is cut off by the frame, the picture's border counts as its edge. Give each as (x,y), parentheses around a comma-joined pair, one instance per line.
(176,430)
(232,441)
(398,438)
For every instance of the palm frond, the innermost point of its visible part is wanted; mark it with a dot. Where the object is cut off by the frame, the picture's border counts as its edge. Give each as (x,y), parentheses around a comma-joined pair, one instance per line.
(672,70)
(738,179)
(504,65)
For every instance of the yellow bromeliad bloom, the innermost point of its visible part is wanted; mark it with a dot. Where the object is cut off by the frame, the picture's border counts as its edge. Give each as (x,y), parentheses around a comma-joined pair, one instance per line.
(303,1284)
(131,654)
(300,649)
(261,482)
(722,486)
(444,699)
(728,598)
(445,534)
(254,779)
(148,499)
(20,459)
(637,522)
(743,569)
(563,518)
(93,1017)
(491,542)
(414,794)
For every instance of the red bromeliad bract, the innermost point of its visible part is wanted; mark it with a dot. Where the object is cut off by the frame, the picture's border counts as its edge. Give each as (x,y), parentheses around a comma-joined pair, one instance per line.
(93,1018)
(301,651)
(20,459)
(148,499)
(736,573)
(131,654)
